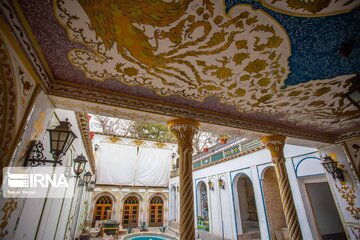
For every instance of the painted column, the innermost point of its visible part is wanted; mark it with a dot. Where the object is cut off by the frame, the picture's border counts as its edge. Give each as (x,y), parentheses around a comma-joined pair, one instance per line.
(275,144)
(184,130)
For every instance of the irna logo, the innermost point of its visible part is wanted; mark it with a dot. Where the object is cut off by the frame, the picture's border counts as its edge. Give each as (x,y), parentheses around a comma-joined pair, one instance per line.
(37,180)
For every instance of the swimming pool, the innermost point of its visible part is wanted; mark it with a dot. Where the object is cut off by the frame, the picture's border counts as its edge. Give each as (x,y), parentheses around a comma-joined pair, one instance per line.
(149,236)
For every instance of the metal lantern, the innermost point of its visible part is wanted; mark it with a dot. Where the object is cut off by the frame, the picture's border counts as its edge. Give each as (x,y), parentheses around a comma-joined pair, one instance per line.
(221,183)
(331,167)
(211,185)
(91,186)
(79,164)
(61,137)
(87,178)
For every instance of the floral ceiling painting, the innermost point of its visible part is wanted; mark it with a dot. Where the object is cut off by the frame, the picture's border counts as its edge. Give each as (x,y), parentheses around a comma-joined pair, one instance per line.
(311,8)
(196,50)
(270,61)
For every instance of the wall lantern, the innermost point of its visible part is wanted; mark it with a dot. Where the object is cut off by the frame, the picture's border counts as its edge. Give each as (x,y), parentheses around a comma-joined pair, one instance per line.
(331,167)
(211,185)
(91,186)
(87,178)
(61,137)
(221,183)
(96,147)
(79,164)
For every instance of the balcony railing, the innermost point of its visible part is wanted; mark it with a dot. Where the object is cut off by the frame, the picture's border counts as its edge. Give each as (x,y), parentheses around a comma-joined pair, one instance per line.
(220,153)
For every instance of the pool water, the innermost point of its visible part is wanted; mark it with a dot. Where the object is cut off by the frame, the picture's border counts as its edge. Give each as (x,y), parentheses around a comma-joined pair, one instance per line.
(148,238)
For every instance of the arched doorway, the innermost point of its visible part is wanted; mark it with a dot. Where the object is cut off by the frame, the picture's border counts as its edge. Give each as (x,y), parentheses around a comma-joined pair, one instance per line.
(202,207)
(156,215)
(273,204)
(102,209)
(245,205)
(173,204)
(131,212)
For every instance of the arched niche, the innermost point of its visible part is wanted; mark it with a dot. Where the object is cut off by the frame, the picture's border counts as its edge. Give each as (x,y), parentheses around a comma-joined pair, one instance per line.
(245,205)
(202,206)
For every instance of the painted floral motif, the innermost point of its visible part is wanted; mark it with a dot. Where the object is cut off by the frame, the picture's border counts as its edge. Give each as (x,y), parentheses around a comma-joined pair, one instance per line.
(8,208)
(311,7)
(26,86)
(8,107)
(38,125)
(199,52)
(347,192)
(204,202)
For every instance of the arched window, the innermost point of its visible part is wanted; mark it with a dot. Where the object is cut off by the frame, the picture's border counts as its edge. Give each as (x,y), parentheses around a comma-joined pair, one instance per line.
(156,212)
(131,200)
(131,212)
(103,208)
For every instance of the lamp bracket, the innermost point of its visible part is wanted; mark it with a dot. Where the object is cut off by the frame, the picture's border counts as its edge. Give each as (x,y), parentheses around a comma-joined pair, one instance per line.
(35,156)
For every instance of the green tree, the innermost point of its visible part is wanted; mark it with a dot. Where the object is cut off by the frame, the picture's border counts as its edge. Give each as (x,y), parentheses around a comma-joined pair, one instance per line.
(152,131)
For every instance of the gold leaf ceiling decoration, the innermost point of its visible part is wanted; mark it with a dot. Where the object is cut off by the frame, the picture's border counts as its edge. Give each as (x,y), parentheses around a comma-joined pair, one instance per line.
(195,50)
(311,8)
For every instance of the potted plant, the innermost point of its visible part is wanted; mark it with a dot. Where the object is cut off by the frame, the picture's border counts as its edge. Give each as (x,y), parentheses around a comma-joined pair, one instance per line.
(143,227)
(163,229)
(84,228)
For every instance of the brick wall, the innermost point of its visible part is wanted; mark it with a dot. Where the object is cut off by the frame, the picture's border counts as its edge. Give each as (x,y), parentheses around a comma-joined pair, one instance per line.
(273,203)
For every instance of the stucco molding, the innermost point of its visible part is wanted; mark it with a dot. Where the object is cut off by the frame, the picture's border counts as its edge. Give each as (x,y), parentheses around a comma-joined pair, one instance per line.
(83,123)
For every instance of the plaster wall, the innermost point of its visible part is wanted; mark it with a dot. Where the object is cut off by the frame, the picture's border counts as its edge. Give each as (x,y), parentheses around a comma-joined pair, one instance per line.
(43,218)
(346,193)
(225,216)
(324,209)
(118,194)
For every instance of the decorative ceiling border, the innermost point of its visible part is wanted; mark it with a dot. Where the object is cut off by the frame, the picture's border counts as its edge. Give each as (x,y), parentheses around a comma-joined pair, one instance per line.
(84,93)
(17,26)
(83,122)
(347,136)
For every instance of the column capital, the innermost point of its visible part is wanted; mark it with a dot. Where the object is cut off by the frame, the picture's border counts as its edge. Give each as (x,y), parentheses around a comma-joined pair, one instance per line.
(275,144)
(182,122)
(273,138)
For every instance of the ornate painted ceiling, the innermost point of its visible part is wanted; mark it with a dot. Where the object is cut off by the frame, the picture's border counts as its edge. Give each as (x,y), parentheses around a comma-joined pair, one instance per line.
(269,63)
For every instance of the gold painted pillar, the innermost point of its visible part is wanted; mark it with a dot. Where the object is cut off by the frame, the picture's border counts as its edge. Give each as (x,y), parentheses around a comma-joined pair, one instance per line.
(275,144)
(184,130)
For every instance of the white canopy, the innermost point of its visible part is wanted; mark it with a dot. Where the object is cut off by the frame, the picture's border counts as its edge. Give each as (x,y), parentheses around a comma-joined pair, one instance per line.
(124,164)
